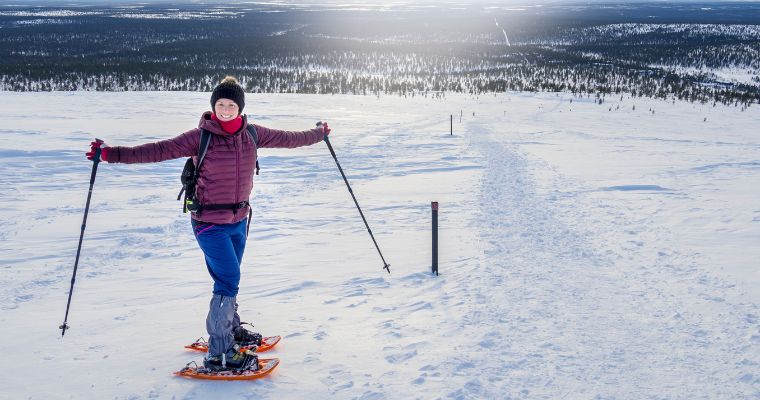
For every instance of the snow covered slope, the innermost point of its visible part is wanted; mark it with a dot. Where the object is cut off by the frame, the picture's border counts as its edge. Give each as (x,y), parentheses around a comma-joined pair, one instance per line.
(587,251)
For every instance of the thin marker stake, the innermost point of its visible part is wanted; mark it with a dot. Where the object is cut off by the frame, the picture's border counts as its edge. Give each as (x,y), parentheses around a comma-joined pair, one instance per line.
(434,206)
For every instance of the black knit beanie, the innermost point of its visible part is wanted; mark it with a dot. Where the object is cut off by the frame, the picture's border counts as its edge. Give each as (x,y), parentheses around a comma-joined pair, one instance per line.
(229,89)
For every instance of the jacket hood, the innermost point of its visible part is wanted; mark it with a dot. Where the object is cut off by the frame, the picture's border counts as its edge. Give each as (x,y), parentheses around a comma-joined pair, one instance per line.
(212,126)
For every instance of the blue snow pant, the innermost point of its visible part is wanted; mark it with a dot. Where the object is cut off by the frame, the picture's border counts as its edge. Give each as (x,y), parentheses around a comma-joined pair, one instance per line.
(222,246)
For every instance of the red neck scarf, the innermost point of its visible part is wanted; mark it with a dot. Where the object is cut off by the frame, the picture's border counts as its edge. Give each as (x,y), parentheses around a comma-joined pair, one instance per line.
(230,126)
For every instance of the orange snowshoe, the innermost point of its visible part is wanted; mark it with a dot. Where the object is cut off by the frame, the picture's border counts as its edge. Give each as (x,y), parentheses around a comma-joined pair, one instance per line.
(267,342)
(258,368)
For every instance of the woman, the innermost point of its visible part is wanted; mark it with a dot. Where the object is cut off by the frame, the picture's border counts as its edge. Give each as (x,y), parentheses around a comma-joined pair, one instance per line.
(222,191)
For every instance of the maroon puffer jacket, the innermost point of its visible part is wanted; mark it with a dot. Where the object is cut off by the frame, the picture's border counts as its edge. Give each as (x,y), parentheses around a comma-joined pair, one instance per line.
(226,176)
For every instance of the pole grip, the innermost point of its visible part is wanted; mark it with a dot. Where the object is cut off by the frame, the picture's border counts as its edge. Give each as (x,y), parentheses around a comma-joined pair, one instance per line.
(96,158)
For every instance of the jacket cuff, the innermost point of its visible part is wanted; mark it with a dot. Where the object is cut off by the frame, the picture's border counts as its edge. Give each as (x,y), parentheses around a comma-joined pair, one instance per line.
(320,134)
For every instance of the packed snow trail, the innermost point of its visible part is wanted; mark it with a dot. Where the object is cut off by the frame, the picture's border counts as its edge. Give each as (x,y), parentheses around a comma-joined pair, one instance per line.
(566,318)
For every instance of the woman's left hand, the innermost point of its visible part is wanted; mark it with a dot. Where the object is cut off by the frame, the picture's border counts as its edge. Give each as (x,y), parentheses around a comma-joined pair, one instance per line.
(325,129)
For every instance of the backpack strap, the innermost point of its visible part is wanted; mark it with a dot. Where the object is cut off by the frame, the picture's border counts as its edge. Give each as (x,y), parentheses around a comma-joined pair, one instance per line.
(202,149)
(255,137)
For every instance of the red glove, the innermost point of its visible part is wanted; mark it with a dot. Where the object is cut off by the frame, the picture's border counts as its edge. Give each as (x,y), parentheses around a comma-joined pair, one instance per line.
(94,146)
(325,129)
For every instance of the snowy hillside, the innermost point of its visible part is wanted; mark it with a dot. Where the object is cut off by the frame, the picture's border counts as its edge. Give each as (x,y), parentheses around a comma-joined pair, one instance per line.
(587,251)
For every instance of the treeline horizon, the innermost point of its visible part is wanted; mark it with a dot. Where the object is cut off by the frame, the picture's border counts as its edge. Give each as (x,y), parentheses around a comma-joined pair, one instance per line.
(373,55)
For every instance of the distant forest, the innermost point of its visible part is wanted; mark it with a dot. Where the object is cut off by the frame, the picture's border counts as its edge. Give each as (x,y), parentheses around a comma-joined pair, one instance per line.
(684,54)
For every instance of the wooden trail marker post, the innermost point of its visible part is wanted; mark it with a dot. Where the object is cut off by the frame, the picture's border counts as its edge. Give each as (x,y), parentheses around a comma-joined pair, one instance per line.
(434,206)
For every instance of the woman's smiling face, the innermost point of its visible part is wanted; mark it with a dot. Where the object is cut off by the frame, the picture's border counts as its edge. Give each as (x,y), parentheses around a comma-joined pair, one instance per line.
(226,109)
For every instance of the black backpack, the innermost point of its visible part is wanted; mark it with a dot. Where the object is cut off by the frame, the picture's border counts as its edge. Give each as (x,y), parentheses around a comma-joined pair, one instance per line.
(191,172)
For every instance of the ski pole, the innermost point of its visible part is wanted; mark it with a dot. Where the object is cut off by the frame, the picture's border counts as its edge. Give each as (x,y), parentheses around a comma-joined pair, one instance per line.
(95,161)
(386,266)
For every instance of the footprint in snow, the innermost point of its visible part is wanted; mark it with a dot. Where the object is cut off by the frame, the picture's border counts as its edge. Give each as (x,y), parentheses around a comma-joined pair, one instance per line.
(312,358)
(392,327)
(357,304)
(490,340)
(400,357)
(337,380)
(420,305)
(24,297)
(749,378)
